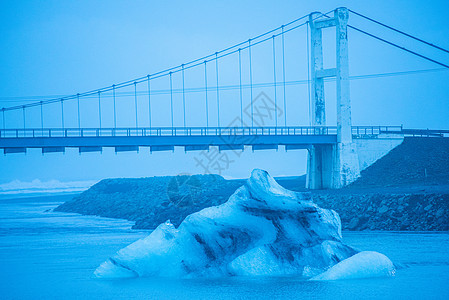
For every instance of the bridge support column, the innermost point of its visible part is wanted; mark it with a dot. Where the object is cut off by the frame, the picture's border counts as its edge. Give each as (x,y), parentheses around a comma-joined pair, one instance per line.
(338,165)
(347,159)
(316,155)
(318,106)
(320,167)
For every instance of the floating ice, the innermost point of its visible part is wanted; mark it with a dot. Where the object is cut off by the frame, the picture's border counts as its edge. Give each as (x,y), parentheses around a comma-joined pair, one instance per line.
(364,264)
(263,229)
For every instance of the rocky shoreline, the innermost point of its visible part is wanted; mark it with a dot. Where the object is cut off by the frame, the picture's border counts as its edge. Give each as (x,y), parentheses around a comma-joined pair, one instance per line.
(387,211)
(151,201)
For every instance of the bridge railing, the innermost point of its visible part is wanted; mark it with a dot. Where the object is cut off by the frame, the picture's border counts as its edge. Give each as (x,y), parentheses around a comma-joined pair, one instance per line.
(165,131)
(376,130)
(211,131)
(425,133)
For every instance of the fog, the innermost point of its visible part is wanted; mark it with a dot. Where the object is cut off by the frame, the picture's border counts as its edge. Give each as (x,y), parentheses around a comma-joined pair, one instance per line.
(53,49)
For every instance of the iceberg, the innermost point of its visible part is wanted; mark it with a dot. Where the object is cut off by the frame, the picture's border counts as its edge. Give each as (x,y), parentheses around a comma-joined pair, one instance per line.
(263,229)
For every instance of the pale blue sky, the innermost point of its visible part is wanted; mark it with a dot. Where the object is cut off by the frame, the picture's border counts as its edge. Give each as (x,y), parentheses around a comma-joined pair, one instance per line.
(64,47)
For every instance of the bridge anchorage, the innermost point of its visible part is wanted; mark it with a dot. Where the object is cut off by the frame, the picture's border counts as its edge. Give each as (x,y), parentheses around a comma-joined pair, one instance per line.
(336,154)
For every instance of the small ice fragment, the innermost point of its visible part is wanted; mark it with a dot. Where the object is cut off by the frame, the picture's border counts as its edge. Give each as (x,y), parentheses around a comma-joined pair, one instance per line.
(366,264)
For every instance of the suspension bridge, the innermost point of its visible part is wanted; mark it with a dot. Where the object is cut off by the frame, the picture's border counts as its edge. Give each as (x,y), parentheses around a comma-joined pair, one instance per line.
(155,112)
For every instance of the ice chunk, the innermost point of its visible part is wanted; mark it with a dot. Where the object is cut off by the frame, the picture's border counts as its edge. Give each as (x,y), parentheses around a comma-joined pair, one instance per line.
(110,269)
(364,264)
(263,229)
(140,258)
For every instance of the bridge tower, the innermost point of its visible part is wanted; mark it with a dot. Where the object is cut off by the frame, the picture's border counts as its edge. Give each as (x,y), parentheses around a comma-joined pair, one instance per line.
(338,165)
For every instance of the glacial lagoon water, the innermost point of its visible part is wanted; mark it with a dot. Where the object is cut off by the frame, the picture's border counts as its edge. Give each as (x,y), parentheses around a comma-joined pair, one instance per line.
(48,255)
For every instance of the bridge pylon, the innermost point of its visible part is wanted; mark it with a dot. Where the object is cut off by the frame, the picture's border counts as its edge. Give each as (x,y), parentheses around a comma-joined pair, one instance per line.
(331,166)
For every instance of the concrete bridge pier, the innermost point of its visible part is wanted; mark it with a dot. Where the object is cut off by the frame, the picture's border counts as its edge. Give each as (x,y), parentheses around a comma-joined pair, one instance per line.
(338,165)
(320,166)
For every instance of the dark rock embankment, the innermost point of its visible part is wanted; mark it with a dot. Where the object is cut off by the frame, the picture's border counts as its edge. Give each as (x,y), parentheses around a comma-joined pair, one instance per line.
(418,211)
(408,189)
(151,201)
(416,162)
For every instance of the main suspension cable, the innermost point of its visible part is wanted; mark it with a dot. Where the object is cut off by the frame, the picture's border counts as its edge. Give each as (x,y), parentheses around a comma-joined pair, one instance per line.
(163,73)
(399,31)
(399,47)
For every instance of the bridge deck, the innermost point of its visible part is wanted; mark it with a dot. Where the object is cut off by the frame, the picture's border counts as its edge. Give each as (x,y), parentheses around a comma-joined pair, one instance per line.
(192,138)
(219,140)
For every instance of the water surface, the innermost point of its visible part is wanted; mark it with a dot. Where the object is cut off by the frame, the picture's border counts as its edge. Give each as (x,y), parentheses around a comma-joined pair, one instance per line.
(50,255)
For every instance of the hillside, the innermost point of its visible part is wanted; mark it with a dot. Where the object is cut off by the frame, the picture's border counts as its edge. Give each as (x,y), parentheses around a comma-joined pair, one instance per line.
(407,189)
(417,161)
